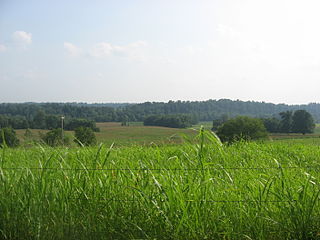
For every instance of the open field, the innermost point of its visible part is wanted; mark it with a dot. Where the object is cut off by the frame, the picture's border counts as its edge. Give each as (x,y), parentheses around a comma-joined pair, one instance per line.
(188,191)
(207,125)
(134,134)
(137,134)
(279,136)
(315,141)
(317,129)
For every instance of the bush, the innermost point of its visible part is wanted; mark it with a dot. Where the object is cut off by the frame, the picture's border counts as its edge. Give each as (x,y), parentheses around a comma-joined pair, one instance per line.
(8,137)
(55,138)
(84,136)
(75,123)
(272,125)
(242,128)
(302,122)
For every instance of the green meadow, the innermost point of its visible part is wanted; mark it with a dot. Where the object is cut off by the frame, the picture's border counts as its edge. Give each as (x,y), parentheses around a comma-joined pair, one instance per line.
(137,134)
(134,134)
(199,189)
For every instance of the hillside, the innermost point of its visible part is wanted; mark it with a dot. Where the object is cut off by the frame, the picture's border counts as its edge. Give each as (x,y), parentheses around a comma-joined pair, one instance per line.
(202,110)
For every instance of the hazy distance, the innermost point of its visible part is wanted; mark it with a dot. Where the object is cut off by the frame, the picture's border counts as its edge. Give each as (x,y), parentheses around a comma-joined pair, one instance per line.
(136,51)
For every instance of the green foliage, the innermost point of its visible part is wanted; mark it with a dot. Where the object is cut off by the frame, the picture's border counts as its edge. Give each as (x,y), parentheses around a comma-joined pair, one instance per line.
(216,123)
(28,134)
(39,120)
(137,134)
(241,128)
(16,122)
(55,137)
(302,122)
(246,190)
(285,122)
(202,110)
(272,125)
(125,121)
(84,136)
(75,123)
(299,121)
(173,121)
(8,137)
(52,121)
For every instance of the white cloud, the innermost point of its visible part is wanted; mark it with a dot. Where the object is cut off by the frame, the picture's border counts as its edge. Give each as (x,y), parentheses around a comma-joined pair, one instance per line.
(2,48)
(72,49)
(102,49)
(132,50)
(21,37)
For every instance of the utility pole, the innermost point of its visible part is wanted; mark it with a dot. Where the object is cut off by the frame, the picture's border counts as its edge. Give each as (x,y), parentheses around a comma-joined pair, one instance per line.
(62,133)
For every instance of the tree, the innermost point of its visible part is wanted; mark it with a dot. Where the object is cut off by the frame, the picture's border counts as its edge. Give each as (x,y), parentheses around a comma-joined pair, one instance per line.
(8,137)
(55,138)
(271,124)
(241,127)
(28,134)
(85,136)
(75,123)
(302,122)
(39,120)
(216,123)
(52,121)
(125,121)
(173,121)
(285,122)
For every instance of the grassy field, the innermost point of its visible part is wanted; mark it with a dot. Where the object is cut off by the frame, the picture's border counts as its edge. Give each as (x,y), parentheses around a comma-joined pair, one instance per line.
(206,125)
(113,132)
(137,134)
(201,190)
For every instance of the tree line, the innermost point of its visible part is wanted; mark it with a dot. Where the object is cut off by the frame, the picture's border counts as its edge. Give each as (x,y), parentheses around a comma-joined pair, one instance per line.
(41,120)
(83,136)
(201,110)
(247,128)
(299,121)
(173,121)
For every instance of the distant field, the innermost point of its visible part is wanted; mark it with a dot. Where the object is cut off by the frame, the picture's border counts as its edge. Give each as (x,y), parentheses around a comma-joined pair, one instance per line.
(134,134)
(302,141)
(284,136)
(279,136)
(207,125)
(138,134)
(35,134)
(317,129)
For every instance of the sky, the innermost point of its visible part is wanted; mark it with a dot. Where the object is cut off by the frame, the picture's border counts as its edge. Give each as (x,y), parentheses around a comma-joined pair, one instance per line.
(159,50)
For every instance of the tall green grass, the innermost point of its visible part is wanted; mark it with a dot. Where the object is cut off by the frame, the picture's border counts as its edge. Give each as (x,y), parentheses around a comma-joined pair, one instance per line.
(202,190)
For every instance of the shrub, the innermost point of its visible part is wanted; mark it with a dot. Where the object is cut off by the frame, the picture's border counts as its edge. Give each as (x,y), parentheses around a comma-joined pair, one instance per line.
(85,136)
(302,122)
(55,137)
(8,137)
(75,123)
(242,128)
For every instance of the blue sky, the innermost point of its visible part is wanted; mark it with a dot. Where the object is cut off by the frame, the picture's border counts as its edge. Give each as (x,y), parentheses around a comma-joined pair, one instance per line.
(149,50)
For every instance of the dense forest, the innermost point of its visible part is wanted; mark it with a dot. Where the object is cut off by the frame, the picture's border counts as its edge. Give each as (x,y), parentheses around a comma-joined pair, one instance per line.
(29,113)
